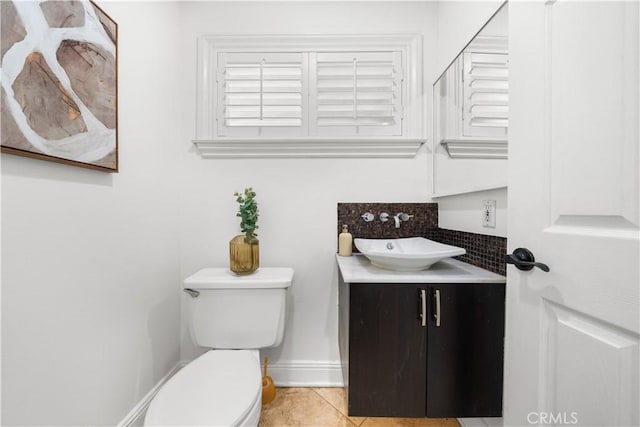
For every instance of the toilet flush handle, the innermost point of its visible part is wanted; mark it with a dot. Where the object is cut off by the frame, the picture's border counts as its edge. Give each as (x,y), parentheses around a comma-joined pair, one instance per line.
(193,293)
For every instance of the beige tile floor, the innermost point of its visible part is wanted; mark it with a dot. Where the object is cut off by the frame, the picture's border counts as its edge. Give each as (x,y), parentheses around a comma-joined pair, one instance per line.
(327,407)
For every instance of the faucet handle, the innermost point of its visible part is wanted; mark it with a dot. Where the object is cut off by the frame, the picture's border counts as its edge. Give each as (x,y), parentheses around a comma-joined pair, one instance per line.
(368,217)
(405,216)
(384,217)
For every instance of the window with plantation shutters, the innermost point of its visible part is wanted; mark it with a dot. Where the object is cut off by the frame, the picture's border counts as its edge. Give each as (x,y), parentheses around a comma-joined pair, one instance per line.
(356,93)
(486,94)
(309,95)
(471,101)
(261,94)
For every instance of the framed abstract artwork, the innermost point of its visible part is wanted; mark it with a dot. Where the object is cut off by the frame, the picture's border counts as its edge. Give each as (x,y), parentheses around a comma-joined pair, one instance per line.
(59,82)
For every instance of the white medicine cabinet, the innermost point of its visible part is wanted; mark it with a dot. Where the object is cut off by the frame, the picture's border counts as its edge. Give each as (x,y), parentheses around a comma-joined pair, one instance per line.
(471,114)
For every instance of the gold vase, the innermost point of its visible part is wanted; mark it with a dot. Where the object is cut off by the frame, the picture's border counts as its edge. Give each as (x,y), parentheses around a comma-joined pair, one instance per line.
(244,258)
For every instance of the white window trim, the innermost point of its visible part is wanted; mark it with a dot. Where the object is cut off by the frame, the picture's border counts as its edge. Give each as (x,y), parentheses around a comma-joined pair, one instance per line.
(391,146)
(476,148)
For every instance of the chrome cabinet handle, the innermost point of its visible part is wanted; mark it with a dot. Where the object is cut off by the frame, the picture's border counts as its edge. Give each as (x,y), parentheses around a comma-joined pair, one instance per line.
(524,260)
(437,314)
(423,307)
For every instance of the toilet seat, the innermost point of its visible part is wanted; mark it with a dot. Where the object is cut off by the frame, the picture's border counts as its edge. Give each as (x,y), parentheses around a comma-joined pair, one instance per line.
(219,388)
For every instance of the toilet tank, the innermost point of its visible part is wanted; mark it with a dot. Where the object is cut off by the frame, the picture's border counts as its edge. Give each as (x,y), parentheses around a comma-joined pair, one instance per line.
(230,311)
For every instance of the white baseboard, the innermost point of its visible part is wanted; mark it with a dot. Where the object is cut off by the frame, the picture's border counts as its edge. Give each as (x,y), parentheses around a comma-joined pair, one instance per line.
(135,417)
(480,422)
(306,374)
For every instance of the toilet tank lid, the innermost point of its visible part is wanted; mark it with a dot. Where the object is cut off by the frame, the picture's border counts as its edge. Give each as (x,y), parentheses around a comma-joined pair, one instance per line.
(223,278)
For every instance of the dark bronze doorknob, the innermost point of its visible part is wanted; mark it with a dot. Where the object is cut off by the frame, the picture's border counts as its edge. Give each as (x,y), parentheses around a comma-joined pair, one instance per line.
(524,260)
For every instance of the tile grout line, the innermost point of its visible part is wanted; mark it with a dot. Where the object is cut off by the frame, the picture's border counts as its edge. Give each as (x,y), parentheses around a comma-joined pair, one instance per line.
(339,411)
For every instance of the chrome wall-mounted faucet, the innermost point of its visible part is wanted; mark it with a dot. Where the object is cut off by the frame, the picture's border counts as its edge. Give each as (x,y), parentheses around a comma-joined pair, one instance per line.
(398,218)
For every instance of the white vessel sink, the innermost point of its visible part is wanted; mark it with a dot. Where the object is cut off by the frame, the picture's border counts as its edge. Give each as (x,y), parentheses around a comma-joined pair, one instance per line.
(409,254)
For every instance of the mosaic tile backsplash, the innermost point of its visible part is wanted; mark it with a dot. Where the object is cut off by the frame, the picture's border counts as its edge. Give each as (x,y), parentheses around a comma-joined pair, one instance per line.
(484,251)
(424,221)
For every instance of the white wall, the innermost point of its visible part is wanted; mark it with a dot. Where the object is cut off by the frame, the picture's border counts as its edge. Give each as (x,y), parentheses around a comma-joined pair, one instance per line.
(457,23)
(90,298)
(297,197)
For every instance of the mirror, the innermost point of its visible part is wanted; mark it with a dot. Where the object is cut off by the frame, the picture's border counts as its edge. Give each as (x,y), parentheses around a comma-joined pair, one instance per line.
(471,114)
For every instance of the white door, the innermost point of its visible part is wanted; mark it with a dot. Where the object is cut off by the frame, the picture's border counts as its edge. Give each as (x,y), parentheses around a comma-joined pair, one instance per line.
(571,346)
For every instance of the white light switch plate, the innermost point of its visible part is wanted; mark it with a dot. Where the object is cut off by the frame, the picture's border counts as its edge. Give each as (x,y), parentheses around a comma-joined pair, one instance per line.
(489,213)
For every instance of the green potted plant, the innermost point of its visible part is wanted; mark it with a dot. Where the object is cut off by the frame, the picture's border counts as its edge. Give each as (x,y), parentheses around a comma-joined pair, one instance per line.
(244,249)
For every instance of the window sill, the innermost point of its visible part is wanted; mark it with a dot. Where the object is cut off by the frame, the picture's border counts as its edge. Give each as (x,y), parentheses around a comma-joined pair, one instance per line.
(308,148)
(476,149)
(468,191)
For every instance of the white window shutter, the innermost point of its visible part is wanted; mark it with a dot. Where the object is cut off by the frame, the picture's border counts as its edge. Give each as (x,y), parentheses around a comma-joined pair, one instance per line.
(356,94)
(261,94)
(486,94)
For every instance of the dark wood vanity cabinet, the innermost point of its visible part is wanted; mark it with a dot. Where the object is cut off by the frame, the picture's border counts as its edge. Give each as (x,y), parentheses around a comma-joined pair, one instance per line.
(396,364)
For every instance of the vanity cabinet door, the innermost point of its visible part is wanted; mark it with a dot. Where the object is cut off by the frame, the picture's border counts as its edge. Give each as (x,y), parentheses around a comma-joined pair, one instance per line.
(387,351)
(465,350)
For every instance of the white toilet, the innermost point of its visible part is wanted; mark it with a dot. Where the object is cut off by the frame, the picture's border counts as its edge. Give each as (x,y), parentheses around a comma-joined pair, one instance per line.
(234,316)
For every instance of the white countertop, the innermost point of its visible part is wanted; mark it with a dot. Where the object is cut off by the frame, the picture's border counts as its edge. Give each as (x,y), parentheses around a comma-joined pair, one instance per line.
(358,269)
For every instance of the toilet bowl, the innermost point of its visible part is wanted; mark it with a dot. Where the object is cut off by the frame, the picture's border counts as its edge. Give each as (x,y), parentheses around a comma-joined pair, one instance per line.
(233,316)
(219,388)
